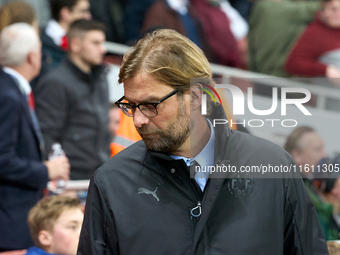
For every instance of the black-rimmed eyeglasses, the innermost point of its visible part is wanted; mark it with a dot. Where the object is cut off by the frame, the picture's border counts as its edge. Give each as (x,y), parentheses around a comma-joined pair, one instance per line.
(148,109)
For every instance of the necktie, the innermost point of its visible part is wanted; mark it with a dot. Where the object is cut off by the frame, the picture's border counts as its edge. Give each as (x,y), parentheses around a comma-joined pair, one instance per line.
(31,104)
(200,176)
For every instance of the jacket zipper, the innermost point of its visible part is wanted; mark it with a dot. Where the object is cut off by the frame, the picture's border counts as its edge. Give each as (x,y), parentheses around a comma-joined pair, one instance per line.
(196,211)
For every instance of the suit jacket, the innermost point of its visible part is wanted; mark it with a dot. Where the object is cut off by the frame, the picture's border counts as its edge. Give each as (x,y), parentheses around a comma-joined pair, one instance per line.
(22,174)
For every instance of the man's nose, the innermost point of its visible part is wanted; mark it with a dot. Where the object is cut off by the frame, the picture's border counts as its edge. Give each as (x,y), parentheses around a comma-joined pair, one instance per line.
(139,119)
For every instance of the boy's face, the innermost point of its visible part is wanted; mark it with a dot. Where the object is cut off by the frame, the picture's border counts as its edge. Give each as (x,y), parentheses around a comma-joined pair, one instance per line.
(66,232)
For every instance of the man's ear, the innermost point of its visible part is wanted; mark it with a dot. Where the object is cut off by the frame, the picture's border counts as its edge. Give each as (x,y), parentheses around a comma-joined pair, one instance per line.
(196,93)
(30,57)
(75,44)
(45,238)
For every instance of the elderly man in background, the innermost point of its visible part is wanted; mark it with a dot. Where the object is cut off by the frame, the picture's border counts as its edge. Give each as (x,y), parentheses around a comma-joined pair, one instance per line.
(307,148)
(22,174)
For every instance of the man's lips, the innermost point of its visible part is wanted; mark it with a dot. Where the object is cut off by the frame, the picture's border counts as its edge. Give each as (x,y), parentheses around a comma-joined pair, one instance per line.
(147,134)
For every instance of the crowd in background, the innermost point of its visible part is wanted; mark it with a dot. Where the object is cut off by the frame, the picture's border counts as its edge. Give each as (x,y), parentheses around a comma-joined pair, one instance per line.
(70,104)
(263,36)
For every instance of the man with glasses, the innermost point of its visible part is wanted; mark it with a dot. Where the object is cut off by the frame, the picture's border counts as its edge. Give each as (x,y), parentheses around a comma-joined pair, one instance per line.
(147,200)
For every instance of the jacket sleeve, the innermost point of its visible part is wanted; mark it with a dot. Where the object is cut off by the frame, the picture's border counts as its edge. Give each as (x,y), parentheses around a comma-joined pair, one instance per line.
(98,235)
(15,169)
(303,60)
(51,105)
(303,234)
(303,11)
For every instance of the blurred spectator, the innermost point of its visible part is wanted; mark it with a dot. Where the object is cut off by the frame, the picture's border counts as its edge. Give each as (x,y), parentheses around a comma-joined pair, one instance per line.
(307,149)
(124,134)
(321,58)
(177,15)
(72,101)
(274,27)
(239,27)
(134,12)
(53,37)
(55,224)
(15,12)
(216,27)
(114,120)
(244,7)
(41,8)
(110,12)
(327,203)
(22,174)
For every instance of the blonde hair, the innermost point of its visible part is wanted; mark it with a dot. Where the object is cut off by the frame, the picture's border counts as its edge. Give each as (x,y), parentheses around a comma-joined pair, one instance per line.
(167,56)
(15,12)
(46,212)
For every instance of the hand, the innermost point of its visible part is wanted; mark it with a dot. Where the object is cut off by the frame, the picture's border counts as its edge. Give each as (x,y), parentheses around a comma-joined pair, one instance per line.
(58,168)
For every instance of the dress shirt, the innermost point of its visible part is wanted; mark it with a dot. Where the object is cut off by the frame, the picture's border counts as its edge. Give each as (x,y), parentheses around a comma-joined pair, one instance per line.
(24,85)
(55,31)
(179,6)
(205,158)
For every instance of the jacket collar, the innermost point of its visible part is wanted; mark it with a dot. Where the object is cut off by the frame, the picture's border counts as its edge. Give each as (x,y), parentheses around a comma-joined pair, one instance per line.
(178,5)
(190,10)
(55,31)
(87,77)
(47,42)
(23,103)
(23,84)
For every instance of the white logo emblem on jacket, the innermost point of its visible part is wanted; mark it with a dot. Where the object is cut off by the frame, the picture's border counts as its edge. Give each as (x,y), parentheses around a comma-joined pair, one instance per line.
(148,192)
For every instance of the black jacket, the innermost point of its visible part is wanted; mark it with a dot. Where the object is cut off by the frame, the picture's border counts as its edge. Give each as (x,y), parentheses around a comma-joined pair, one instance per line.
(139,202)
(51,57)
(72,108)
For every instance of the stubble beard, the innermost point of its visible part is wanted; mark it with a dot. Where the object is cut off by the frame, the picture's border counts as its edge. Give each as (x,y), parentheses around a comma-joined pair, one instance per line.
(173,137)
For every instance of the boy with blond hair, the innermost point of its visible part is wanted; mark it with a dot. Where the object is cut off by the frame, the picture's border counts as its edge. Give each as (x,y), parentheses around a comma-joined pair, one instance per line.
(55,224)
